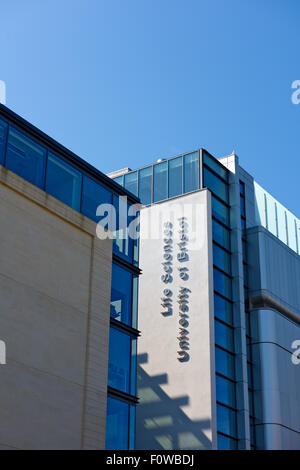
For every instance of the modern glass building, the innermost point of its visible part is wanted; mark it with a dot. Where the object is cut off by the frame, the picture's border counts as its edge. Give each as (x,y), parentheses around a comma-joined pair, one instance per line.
(41,161)
(256,303)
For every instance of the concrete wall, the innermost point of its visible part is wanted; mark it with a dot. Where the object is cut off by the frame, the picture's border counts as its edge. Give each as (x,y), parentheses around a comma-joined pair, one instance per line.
(177,399)
(54,297)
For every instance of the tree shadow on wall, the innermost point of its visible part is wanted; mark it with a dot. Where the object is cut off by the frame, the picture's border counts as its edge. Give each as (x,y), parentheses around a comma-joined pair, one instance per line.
(160,422)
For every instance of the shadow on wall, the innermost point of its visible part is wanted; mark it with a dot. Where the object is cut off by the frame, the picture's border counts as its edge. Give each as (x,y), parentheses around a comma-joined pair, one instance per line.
(160,422)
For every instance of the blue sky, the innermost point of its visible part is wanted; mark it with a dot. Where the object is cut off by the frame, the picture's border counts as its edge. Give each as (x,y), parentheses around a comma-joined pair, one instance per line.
(124,82)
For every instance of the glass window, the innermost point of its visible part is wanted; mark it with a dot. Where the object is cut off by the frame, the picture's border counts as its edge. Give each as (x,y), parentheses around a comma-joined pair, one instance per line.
(132,428)
(223,309)
(191,172)
(243,223)
(242,188)
(221,258)
(3,133)
(222,283)
(130,182)
(224,335)
(63,182)
(25,157)
(175,177)
(135,287)
(93,194)
(121,288)
(123,243)
(225,391)
(145,185)
(226,443)
(226,420)
(220,211)
(119,360)
(160,181)
(216,166)
(225,363)
(221,234)
(117,424)
(119,180)
(242,204)
(215,185)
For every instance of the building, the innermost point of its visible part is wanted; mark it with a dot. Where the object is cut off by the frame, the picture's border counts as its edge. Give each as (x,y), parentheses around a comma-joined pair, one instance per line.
(68,299)
(219,308)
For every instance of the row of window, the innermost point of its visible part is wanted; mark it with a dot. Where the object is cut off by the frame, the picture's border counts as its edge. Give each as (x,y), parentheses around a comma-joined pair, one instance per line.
(36,164)
(120,424)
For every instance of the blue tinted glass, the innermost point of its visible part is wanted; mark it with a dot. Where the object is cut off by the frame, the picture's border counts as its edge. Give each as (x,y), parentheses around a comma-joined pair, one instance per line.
(145,185)
(119,360)
(242,188)
(133,366)
(223,309)
(117,424)
(214,165)
(175,177)
(121,287)
(220,211)
(215,185)
(222,283)
(221,259)
(130,182)
(224,335)
(191,172)
(93,194)
(224,363)
(25,157)
(160,181)
(119,180)
(226,443)
(226,420)
(3,133)
(221,234)
(132,428)
(242,204)
(123,244)
(243,223)
(135,286)
(63,182)
(225,391)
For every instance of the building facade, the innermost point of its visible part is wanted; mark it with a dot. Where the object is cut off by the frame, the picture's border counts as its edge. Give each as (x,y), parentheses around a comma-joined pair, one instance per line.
(68,299)
(219,308)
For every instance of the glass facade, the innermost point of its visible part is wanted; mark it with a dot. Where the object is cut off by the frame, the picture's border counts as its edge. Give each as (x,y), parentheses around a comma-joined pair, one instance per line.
(68,182)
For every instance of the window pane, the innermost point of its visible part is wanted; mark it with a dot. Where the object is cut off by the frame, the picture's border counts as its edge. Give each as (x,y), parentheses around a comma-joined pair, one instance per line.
(226,443)
(3,132)
(191,172)
(225,391)
(121,287)
(225,363)
(224,335)
(214,165)
(119,360)
(215,185)
(63,182)
(145,185)
(221,259)
(119,180)
(242,188)
(242,204)
(117,424)
(93,194)
(226,420)
(160,181)
(135,284)
(221,234)
(130,182)
(175,177)
(222,283)
(132,428)
(122,243)
(133,366)
(223,309)
(220,211)
(26,158)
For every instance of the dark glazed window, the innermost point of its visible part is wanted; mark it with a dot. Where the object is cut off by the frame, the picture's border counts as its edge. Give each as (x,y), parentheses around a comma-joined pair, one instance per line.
(215,166)
(224,363)
(3,133)
(221,234)
(222,283)
(121,294)
(221,259)
(160,181)
(63,181)
(226,443)
(145,185)
(130,182)
(220,211)
(191,172)
(117,424)
(223,309)
(119,360)
(225,391)
(25,157)
(226,420)
(93,194)
(224,335)
(216,185)
(122,244)
(175,177)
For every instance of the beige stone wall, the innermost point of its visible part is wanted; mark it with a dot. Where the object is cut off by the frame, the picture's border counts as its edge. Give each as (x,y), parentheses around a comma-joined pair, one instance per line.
(54,318)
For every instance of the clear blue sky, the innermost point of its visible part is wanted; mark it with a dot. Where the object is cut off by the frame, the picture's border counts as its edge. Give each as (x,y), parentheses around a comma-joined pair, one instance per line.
(124,82)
